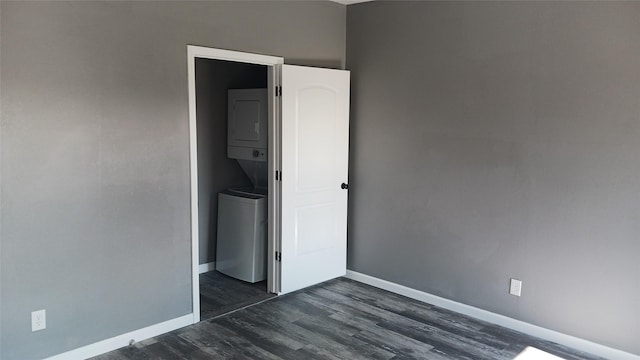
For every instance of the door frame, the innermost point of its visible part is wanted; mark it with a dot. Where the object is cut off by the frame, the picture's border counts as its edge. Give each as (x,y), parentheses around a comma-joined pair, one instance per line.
(274,64)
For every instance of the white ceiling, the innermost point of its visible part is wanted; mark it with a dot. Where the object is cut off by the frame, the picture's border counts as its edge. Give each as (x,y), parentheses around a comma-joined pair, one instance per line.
(348,2)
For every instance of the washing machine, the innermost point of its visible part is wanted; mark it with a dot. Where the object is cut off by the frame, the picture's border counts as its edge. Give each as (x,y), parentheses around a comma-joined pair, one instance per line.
(242,234)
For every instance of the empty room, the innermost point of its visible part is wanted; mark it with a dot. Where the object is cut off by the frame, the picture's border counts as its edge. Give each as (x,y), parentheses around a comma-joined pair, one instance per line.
(319,179)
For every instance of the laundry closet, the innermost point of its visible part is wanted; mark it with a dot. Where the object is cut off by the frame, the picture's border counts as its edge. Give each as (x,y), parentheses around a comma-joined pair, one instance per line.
(231,106)
(298,173)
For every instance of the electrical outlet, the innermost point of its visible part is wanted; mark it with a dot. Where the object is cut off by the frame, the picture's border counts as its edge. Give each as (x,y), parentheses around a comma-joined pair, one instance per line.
(38,320)
(515,288)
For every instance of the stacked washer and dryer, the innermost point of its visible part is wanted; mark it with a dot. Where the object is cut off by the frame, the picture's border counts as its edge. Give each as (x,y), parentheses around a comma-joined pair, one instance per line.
(242,212)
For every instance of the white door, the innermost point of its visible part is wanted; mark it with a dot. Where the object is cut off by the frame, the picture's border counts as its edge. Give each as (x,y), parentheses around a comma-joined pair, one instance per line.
(315,151)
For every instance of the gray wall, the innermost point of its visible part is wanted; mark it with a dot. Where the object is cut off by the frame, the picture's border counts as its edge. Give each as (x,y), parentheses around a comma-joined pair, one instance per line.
(95,154)
(216,172)
(492,140)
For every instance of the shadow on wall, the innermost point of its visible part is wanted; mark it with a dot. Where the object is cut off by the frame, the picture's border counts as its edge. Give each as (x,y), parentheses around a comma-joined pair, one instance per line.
(323,63)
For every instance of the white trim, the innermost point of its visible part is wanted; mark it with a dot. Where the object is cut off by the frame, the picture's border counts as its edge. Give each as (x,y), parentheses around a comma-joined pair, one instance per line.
(273,197)
(530,329)
(194,52)
(119,341)
(193,163)
(204,268)
(235,56)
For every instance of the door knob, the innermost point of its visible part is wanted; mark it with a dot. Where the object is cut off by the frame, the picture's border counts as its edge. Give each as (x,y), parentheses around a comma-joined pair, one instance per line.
(344,186)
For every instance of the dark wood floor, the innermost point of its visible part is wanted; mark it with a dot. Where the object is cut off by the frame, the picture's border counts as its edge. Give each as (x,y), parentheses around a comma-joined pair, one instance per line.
(220,294)
(341,319)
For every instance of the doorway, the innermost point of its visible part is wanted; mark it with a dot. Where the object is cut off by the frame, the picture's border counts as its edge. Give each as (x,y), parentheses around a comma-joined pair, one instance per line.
(232,178)
(307,171)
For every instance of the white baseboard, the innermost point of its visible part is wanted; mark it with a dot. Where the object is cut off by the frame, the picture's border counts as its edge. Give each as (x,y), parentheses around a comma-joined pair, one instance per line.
(203,268)
(533,330)
(119,341)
